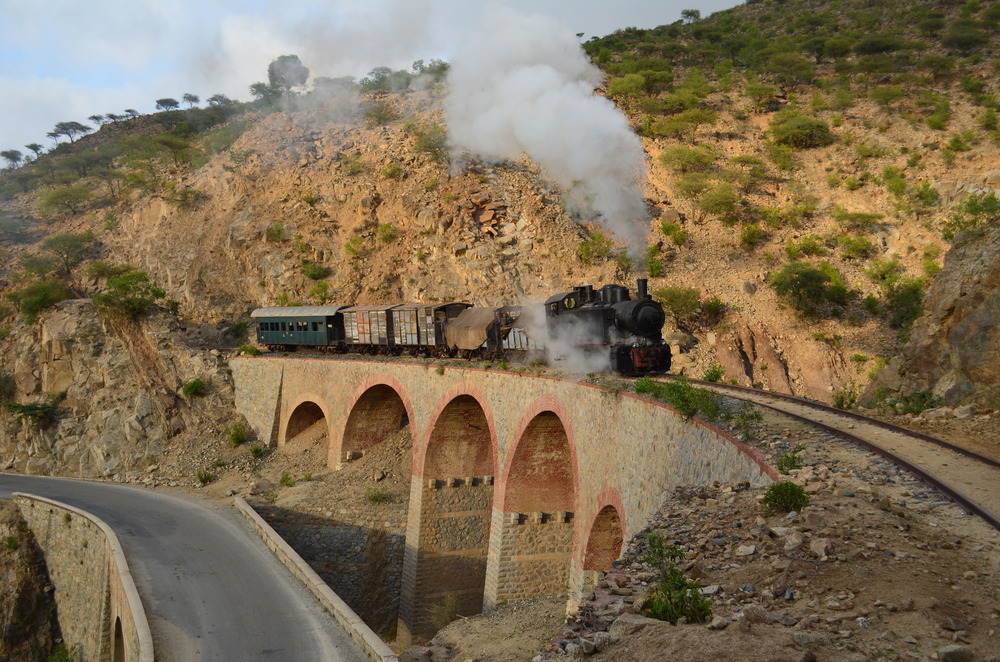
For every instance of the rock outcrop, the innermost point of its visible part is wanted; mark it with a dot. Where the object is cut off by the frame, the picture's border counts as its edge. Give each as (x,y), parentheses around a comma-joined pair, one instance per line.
(117,385)
(954,348)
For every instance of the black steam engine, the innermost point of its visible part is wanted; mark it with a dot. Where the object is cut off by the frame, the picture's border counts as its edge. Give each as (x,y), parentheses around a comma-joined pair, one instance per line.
(608,319)
(605,324)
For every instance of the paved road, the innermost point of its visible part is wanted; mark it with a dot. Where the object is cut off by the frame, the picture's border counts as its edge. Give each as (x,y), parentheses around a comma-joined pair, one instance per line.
(212,591)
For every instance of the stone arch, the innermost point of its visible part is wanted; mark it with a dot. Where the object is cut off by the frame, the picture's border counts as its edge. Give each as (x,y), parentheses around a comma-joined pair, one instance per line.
(378,410)
(459,444)
(446,446)
(451,502)
(534,531)
(540,472)
(118,645)
(604,541)
(303,416)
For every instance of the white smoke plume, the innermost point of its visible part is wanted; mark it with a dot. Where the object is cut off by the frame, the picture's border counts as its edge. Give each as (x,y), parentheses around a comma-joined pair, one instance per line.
(521,84)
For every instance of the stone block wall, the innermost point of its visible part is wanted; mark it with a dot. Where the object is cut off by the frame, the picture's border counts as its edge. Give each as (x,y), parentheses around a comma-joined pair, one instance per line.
(530,556)
(446,565)
(93,588)
(359,554)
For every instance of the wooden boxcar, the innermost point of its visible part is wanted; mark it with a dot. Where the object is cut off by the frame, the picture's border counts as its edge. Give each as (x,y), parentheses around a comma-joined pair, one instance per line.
(369,326)
(421,326)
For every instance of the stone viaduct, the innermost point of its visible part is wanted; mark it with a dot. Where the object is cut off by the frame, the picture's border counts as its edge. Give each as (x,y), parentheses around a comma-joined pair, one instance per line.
(522,486)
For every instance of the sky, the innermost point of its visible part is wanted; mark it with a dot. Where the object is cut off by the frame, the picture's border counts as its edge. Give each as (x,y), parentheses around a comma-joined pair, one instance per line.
(65,60)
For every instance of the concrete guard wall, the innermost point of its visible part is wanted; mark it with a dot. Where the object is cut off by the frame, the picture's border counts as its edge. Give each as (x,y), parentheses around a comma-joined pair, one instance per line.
(94,589)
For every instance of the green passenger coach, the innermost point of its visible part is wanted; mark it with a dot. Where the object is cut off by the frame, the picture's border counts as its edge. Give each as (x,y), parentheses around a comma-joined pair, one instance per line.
(320,326)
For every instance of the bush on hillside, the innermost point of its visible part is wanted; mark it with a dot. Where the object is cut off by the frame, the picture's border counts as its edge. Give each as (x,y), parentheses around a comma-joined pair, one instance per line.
(801,132)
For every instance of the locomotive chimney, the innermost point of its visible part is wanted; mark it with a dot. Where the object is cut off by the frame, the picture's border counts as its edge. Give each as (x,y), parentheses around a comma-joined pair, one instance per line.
(588,292)
(641,289)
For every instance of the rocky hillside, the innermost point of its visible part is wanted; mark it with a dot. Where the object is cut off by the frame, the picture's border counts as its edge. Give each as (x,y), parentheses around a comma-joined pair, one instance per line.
(795,225)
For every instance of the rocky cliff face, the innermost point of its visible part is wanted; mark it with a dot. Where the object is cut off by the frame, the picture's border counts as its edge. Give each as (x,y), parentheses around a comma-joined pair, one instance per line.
(118,387)
(954,349)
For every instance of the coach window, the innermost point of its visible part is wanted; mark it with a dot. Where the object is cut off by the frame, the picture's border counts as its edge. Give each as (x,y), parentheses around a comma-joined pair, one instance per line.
(315,326)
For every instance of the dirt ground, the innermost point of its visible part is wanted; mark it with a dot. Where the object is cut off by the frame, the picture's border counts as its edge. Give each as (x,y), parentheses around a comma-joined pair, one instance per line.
(877,567)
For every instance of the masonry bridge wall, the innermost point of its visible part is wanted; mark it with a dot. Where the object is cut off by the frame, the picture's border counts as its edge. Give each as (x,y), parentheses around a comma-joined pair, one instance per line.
(101,616)
(522,486)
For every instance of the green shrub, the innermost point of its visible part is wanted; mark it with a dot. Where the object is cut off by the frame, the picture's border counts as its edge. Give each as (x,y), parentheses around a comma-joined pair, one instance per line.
(938,120)
(444,613)
(393,170)
(250,350)
(11,543)
(856,221)
(714,307)
(802,284)
(376,495)
(785,497)
(714,373)
(674,232)
(801,132)
(8,387)
(790,460)
(287,480)
(194,388)
(257,451)
(275,232)
(236,432)
(352,163)
(683,159)
(680,394)
(205,477)
(314,270)
(673,596)
(39,295)
(751,235)
(129,294)
(679,302)
(386,232)
(40,414)
(903,302)
(598,247)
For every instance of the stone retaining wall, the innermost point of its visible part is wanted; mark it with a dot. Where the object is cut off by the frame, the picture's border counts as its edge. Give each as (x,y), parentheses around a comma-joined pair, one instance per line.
(99,608)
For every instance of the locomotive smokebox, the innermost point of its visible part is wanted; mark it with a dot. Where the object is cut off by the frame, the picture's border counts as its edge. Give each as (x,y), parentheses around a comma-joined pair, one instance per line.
(640,291)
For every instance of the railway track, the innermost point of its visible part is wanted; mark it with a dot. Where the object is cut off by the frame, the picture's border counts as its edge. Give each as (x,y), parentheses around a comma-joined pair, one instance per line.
(970,479)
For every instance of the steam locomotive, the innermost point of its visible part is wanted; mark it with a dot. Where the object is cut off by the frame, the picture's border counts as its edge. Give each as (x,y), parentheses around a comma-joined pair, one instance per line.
(602,328)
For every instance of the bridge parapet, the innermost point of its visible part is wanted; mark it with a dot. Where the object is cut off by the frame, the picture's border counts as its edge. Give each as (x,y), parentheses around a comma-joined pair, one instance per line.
(100,612)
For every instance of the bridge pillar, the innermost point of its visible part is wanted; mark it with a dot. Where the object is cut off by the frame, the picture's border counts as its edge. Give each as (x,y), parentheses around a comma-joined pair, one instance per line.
(444,563)
(529,556)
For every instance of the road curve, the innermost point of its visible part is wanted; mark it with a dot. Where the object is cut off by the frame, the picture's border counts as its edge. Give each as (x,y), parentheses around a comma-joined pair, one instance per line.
(212,591)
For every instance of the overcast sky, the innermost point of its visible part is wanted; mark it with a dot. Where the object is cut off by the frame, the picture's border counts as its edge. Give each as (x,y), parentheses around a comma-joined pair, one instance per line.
(64,60)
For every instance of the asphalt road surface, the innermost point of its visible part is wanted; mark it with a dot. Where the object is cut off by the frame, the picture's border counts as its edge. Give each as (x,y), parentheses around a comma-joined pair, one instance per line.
(211,589)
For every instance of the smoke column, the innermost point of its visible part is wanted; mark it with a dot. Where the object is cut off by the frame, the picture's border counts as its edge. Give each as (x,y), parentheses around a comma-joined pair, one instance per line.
(522,85)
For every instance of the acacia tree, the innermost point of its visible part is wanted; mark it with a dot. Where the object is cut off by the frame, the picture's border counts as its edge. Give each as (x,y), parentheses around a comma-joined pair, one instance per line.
(166,103)
(70,198)
(69,129)
(220,100)
(132,113)
(691,15)
(286,72)
(13,157)
(98,119)
(69,247)
(36,148)
(191,99)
